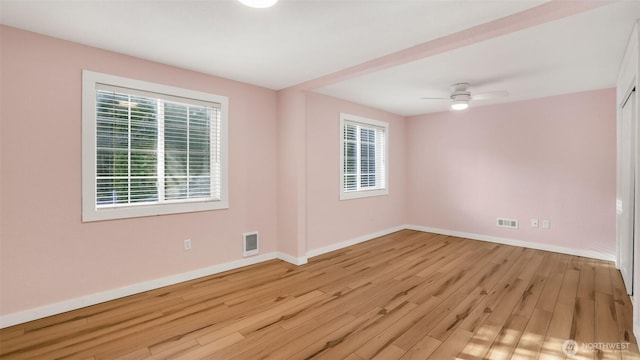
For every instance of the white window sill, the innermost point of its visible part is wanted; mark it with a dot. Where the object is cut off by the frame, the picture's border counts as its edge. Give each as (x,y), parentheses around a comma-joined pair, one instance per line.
(363,194)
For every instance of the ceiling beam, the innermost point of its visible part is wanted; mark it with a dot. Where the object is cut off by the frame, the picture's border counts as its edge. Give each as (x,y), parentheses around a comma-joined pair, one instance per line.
(550,11)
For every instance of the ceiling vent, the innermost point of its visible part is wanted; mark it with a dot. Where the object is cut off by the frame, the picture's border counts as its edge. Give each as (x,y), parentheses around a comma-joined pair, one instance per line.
(250,241)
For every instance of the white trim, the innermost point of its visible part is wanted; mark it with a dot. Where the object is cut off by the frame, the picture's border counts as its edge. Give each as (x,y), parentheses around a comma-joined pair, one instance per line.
(93,299)
(354,241)
(527,244)
(628,79)
(292,259)
(362,193)
(90,212)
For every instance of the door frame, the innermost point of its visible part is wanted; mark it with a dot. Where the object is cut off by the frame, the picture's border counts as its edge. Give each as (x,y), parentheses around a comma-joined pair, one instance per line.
(632,197)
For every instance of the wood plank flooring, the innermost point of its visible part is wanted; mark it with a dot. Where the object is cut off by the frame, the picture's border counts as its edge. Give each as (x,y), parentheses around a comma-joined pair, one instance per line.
(407,295)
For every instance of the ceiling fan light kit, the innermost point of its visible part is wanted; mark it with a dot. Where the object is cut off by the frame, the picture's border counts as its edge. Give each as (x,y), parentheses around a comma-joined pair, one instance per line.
(460,96)
(459,104)
(460,99)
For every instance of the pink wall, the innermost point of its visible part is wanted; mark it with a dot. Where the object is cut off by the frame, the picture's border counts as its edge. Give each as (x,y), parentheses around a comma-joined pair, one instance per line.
(329,220)
(47,254)
(551,158)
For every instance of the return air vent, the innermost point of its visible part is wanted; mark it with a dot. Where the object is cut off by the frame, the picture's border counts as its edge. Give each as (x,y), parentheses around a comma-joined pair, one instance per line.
(507,223)
(250,241)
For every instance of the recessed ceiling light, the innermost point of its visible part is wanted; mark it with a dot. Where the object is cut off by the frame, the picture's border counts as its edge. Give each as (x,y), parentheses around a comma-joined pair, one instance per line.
(260,4)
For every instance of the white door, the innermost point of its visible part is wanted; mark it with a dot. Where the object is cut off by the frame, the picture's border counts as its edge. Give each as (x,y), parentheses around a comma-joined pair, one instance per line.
(626,189)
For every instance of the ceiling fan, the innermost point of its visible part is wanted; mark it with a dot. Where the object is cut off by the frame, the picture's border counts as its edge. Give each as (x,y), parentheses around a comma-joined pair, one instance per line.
(460,96)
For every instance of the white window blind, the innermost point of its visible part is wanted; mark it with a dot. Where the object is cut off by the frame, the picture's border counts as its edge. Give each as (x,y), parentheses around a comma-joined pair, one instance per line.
(151,149)
(363,157)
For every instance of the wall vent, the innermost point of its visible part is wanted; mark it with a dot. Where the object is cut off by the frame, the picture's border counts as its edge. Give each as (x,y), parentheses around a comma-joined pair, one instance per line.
(250,241)
(507,223)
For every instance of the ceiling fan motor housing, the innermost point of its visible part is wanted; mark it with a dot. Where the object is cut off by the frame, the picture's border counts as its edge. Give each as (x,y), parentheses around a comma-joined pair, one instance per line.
(459,92)
(461,96)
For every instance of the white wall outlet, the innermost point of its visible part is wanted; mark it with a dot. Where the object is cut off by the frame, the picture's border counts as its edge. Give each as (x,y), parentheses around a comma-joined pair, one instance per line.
(546,224)
(187,244)
(534,223)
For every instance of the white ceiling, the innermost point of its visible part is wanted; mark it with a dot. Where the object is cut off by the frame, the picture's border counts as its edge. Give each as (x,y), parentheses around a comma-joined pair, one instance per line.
(576,53)
(299,41)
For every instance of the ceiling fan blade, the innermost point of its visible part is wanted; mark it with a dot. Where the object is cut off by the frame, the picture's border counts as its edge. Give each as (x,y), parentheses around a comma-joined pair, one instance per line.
(490,95)
(434,98)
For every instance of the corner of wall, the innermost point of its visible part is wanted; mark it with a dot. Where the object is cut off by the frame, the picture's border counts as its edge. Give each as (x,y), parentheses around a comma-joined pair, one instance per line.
(291,197)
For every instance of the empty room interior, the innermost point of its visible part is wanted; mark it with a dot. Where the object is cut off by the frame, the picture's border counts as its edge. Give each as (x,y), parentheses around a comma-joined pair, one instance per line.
(306,179)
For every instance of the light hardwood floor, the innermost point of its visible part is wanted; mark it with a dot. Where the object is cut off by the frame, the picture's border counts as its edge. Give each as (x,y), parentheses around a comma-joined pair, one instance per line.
(408,295)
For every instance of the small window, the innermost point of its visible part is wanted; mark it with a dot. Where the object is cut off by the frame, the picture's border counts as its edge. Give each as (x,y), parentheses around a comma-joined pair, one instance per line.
(363,157)
(151,149)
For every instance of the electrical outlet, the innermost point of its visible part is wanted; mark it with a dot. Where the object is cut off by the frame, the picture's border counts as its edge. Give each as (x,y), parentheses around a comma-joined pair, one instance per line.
(187,244)
(546,224)
(534,223)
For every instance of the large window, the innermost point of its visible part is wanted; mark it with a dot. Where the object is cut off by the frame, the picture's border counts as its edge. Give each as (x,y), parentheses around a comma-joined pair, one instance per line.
(151,149)
(363,157)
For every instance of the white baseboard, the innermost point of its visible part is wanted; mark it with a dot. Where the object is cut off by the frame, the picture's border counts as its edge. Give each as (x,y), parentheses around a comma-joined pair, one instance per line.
(526,244)
(93,299)
(359,239)
(292,259)
(77,303)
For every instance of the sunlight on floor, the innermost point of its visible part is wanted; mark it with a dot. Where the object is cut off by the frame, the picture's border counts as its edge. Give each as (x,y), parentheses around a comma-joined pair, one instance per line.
(509,344)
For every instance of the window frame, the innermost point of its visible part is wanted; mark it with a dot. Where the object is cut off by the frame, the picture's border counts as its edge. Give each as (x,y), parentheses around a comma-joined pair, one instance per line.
(365,123)
(90,210)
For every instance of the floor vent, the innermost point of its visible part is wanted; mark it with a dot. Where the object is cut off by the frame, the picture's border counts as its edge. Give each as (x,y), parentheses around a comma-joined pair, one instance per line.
(250,240)
(507,223)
